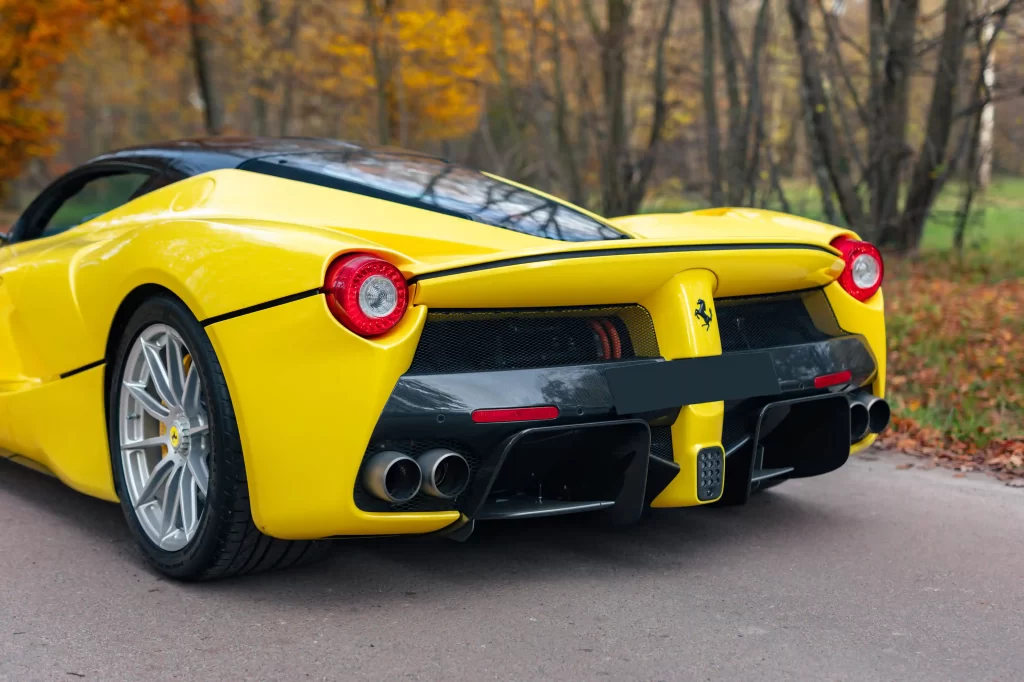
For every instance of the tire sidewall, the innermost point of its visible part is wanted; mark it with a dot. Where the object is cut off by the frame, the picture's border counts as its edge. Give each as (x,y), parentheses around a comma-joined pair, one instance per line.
(201,551)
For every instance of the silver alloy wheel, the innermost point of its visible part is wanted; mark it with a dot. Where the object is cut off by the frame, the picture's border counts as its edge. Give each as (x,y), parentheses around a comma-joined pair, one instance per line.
(165,438)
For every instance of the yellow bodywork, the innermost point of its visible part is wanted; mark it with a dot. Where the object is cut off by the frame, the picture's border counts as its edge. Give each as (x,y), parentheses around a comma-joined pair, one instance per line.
(306,391)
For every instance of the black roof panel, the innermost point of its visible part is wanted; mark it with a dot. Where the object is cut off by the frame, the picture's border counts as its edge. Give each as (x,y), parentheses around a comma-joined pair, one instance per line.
(200,155)
(395,175)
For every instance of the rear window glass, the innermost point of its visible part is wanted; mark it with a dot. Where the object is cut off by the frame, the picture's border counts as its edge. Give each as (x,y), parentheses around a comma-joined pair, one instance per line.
(435,185)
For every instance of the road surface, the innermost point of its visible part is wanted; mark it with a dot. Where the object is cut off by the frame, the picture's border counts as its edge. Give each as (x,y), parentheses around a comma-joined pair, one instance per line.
(870,573)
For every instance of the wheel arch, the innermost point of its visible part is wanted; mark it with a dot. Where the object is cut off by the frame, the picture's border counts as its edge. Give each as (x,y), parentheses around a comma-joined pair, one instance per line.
(129,304)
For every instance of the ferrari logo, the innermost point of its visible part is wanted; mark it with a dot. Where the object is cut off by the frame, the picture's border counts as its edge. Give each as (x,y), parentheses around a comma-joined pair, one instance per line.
(175,438)
(703,313)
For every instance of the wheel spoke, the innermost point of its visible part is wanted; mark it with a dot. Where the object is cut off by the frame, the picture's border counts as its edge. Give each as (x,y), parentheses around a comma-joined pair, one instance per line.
(188,501)
(158,373)
(172,498)
(157,479)
(176,368)
(190,391)
(148,402)
(196,463)
(145,443)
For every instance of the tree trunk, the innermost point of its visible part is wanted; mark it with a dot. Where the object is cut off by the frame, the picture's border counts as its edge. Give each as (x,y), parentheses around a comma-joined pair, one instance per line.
(381,72)
(511,122)
(288,88)
(566,144)
(638,177)
(986,132)
(893,108)
(202,60)
(263,85)
(971,186)
(753,119)
(821,128)
(711,103)
(615,157)
(734,160)
(818,167)
(926,180)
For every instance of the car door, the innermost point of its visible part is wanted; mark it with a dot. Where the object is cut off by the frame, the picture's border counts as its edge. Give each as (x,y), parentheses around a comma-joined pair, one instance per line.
(38,315)
(40,326)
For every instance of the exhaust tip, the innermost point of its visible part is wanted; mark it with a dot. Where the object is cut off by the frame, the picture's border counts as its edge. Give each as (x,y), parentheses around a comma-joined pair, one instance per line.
(879,415)
(445,473)
(392,476)
(859,422)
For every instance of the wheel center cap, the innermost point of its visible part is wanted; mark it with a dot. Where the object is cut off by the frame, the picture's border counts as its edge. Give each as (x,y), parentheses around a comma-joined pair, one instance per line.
(179,438)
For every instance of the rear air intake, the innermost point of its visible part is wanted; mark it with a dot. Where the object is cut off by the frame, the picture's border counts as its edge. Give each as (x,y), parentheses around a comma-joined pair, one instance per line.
(759,322)
(490,340)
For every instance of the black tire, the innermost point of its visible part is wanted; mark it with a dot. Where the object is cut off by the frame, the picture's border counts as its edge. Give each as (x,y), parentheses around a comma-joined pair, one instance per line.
(227,542)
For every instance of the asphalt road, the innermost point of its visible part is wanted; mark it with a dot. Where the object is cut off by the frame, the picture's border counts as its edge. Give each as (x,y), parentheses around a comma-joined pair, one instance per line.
(870,573)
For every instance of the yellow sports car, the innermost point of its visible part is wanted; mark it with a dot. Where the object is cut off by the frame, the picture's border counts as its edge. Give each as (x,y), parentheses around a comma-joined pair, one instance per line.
(257,344)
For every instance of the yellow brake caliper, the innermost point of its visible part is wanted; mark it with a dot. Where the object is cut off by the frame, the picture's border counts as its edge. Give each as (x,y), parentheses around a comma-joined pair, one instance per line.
(186,363)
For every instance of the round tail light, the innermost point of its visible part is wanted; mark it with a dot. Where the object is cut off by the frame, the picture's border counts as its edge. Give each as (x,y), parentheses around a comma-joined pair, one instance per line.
(365,293)
(864,269)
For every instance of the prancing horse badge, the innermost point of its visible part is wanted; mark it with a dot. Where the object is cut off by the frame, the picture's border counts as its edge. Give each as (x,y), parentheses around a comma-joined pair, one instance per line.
(703,313)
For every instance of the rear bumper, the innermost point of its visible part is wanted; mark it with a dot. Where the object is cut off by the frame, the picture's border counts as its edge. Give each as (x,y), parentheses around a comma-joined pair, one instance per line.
(620,415)
(441,405)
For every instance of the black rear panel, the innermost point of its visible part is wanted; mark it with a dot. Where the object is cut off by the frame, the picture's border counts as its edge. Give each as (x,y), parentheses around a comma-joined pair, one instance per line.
(481,341)
(758,322)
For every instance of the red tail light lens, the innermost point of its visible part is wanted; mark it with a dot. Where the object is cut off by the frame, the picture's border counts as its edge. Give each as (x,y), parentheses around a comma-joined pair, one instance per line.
(515,414)
(864,269)
(366,293)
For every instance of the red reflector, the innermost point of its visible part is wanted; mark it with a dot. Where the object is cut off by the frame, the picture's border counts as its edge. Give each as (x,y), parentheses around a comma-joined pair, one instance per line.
(834,379)
(515,414)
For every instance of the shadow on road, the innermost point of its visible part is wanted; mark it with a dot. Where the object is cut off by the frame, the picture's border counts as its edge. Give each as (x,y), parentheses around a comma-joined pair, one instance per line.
(48,497)
(377,570)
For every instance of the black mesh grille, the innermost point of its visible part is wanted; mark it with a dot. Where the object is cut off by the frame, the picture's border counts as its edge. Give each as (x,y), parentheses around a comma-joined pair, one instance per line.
(480,341)
(735,428)
(420,503)
(661,442)
(771,321)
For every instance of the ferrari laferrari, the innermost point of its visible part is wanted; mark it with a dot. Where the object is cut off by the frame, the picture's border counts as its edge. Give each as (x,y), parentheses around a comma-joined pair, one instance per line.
(258,345)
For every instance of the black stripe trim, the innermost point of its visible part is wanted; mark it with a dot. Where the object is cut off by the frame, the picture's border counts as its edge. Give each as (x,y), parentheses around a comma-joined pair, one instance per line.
(260,306)
(81,369)
(594,253)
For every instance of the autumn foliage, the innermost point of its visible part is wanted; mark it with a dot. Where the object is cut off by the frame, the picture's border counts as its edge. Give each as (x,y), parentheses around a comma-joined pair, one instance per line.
(956,366)
(36,38)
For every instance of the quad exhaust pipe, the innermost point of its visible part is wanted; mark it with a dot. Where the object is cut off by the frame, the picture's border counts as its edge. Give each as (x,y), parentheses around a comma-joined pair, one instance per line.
(445,473)
(395,477)
(392,476)
(868,414)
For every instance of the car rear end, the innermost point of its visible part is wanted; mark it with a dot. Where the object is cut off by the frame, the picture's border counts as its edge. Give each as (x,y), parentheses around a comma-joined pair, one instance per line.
(431,380)
(610,380)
